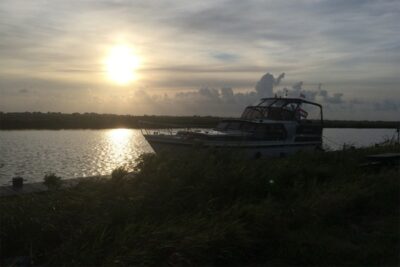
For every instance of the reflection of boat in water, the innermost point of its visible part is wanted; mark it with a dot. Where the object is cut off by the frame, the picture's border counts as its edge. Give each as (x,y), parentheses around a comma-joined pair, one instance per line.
(273,127)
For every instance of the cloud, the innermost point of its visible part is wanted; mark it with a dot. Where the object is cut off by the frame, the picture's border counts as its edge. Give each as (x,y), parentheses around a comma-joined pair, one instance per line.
(280,77)
(227,57)
(297,86)
(264,87)
(336,98)
(387,105)
(227,95)
(207,44)
(225,102)
(252,33)
(319,94)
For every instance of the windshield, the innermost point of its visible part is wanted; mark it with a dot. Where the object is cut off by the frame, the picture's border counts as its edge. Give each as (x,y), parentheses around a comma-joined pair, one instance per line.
(265,103)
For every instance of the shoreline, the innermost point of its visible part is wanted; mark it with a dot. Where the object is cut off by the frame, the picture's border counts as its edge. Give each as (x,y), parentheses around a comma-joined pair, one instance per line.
(181,127)
(40,187)
(57,121)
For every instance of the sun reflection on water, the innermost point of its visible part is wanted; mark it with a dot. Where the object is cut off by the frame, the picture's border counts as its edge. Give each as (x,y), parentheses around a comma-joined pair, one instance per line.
(119,136)
(119,141)
(69,153)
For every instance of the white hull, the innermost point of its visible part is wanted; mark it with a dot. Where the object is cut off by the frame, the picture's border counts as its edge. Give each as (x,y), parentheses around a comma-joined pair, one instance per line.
(249,148)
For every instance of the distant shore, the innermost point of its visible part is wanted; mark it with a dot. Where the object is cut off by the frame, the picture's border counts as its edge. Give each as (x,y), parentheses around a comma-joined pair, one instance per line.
(58,121)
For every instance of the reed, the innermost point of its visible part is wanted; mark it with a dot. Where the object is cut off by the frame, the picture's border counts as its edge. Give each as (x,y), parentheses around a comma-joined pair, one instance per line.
(205,208)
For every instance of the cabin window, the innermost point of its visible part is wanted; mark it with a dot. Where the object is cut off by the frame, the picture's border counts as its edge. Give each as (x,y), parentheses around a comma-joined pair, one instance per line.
(246,113)
(278,103)
(260,131)
(274,113)
(233,126)
(248,127)
(229,126)
(284,109)
(287,115)
(270,132)
(266,103)
(313,112)
(252,113)
(222,126)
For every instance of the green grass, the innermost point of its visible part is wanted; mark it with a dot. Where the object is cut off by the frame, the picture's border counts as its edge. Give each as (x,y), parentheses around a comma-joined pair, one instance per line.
(202,208)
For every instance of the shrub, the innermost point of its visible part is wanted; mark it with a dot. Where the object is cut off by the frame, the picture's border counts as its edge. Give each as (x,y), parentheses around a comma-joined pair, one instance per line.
(52,181)
(118,173)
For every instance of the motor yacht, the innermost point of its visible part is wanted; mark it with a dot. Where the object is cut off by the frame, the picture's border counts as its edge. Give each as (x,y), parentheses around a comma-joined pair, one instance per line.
(275,127)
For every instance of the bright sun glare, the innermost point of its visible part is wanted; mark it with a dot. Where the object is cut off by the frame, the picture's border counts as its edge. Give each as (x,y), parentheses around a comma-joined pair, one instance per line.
(121,64)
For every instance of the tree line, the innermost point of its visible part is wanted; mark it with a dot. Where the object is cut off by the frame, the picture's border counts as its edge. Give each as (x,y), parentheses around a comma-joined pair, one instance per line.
(57,120)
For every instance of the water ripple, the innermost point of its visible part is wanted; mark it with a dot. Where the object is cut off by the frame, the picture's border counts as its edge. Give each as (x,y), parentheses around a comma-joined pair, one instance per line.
(68,153)
(75,153)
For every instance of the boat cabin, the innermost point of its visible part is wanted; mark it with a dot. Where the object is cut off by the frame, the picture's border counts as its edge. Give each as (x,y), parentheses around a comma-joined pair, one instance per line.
(279,119)
(254,130)
(284,109)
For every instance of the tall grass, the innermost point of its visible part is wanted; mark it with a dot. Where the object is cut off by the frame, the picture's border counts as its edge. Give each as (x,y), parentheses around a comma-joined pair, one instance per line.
(208,208)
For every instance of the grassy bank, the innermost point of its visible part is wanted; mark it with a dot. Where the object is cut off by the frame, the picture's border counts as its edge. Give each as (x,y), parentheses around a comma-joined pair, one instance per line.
(206,209)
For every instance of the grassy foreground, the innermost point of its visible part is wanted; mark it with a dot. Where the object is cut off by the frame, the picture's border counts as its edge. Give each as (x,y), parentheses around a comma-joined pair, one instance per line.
(205,209)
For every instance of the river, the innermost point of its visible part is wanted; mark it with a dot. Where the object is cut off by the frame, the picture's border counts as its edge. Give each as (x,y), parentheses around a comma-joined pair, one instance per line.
(79,153)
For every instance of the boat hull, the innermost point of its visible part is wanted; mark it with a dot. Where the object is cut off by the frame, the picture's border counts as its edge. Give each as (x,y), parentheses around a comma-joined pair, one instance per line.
(248,148)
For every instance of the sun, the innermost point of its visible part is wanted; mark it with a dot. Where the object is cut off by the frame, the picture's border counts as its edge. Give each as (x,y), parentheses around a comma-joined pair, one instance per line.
(121,64)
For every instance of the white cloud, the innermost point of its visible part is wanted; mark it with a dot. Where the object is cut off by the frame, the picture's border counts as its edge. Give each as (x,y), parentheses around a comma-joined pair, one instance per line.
(207,44)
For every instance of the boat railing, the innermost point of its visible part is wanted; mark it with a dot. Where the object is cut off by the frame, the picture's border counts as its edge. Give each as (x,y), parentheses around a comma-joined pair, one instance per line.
(152,128)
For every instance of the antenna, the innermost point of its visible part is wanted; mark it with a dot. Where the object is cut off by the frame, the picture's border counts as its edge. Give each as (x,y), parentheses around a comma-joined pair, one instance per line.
(286,92)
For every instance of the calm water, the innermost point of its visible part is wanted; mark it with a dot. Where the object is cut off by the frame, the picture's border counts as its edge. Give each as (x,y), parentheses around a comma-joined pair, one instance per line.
(68,153)
(77,153)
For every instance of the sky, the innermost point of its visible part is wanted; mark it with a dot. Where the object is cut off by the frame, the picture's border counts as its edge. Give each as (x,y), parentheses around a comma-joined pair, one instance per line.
(201,57)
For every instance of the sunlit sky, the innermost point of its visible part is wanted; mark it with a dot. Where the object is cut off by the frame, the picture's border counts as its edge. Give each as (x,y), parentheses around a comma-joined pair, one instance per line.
(199,57)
